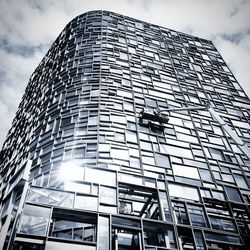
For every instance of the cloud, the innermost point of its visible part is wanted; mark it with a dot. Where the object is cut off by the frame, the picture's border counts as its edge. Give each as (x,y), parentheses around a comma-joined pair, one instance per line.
(23,23)
(5,120)
(29,27)
(237,56)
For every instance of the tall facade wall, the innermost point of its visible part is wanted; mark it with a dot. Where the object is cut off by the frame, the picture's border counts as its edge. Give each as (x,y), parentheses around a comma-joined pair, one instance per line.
(80,170)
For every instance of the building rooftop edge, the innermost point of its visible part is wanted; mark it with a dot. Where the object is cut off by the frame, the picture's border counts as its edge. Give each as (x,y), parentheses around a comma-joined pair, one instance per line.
(116,13)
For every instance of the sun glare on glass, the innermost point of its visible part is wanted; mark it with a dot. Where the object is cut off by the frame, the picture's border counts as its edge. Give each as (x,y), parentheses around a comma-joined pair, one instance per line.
(71,171)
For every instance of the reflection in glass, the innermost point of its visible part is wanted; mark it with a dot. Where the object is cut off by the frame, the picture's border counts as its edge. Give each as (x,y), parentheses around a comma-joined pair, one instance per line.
(107,195)
(103,233)
(196,215)
(233,194)
(73,226)
(51,197)
(71,170)
(73,230)
(183,191)
(139,201)
(161,235)
(123,239)
(35,220)
(86,202)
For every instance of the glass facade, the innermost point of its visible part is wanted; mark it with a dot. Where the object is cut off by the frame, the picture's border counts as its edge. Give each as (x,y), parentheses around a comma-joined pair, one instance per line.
(81,170)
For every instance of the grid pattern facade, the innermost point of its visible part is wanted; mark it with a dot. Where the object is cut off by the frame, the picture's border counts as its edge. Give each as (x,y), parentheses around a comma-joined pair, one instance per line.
(80,171)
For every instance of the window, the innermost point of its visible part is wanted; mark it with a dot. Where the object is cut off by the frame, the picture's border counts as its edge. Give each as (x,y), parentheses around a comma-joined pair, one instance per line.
(81,187)
(103,233)
(180,212)
(53,245)
(162,160)
(119,153)
(123,56)
(165,206)
(137,180)
(233,194)
(131,50)
(79,153)
(125,239)
(217,154)
(145,145)
(73,226)
(100,176)
(196,215)
(134,163)
(66,121)
(139,201)
(51,197)
(151,103)
(158,235)
(205,175)
(185,171)
(240,180)
(222,224)
(126,234)
(86,202)
(185,238)
(183,191)
(197,67)
(176,151)
(199,240)
(127,83)
(187,138)
(131,136)
(108,195)
(222,238)
(35,220)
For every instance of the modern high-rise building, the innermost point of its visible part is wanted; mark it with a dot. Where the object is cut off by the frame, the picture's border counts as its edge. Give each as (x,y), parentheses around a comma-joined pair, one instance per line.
(129,136)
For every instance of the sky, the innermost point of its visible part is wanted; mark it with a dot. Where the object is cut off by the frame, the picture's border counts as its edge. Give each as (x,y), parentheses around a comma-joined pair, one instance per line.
(29,27)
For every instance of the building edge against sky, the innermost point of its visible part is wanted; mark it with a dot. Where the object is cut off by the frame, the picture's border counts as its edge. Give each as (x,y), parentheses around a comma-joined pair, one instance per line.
(80,170)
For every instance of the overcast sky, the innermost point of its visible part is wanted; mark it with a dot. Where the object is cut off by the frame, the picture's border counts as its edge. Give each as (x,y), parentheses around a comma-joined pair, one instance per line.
(29,27)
